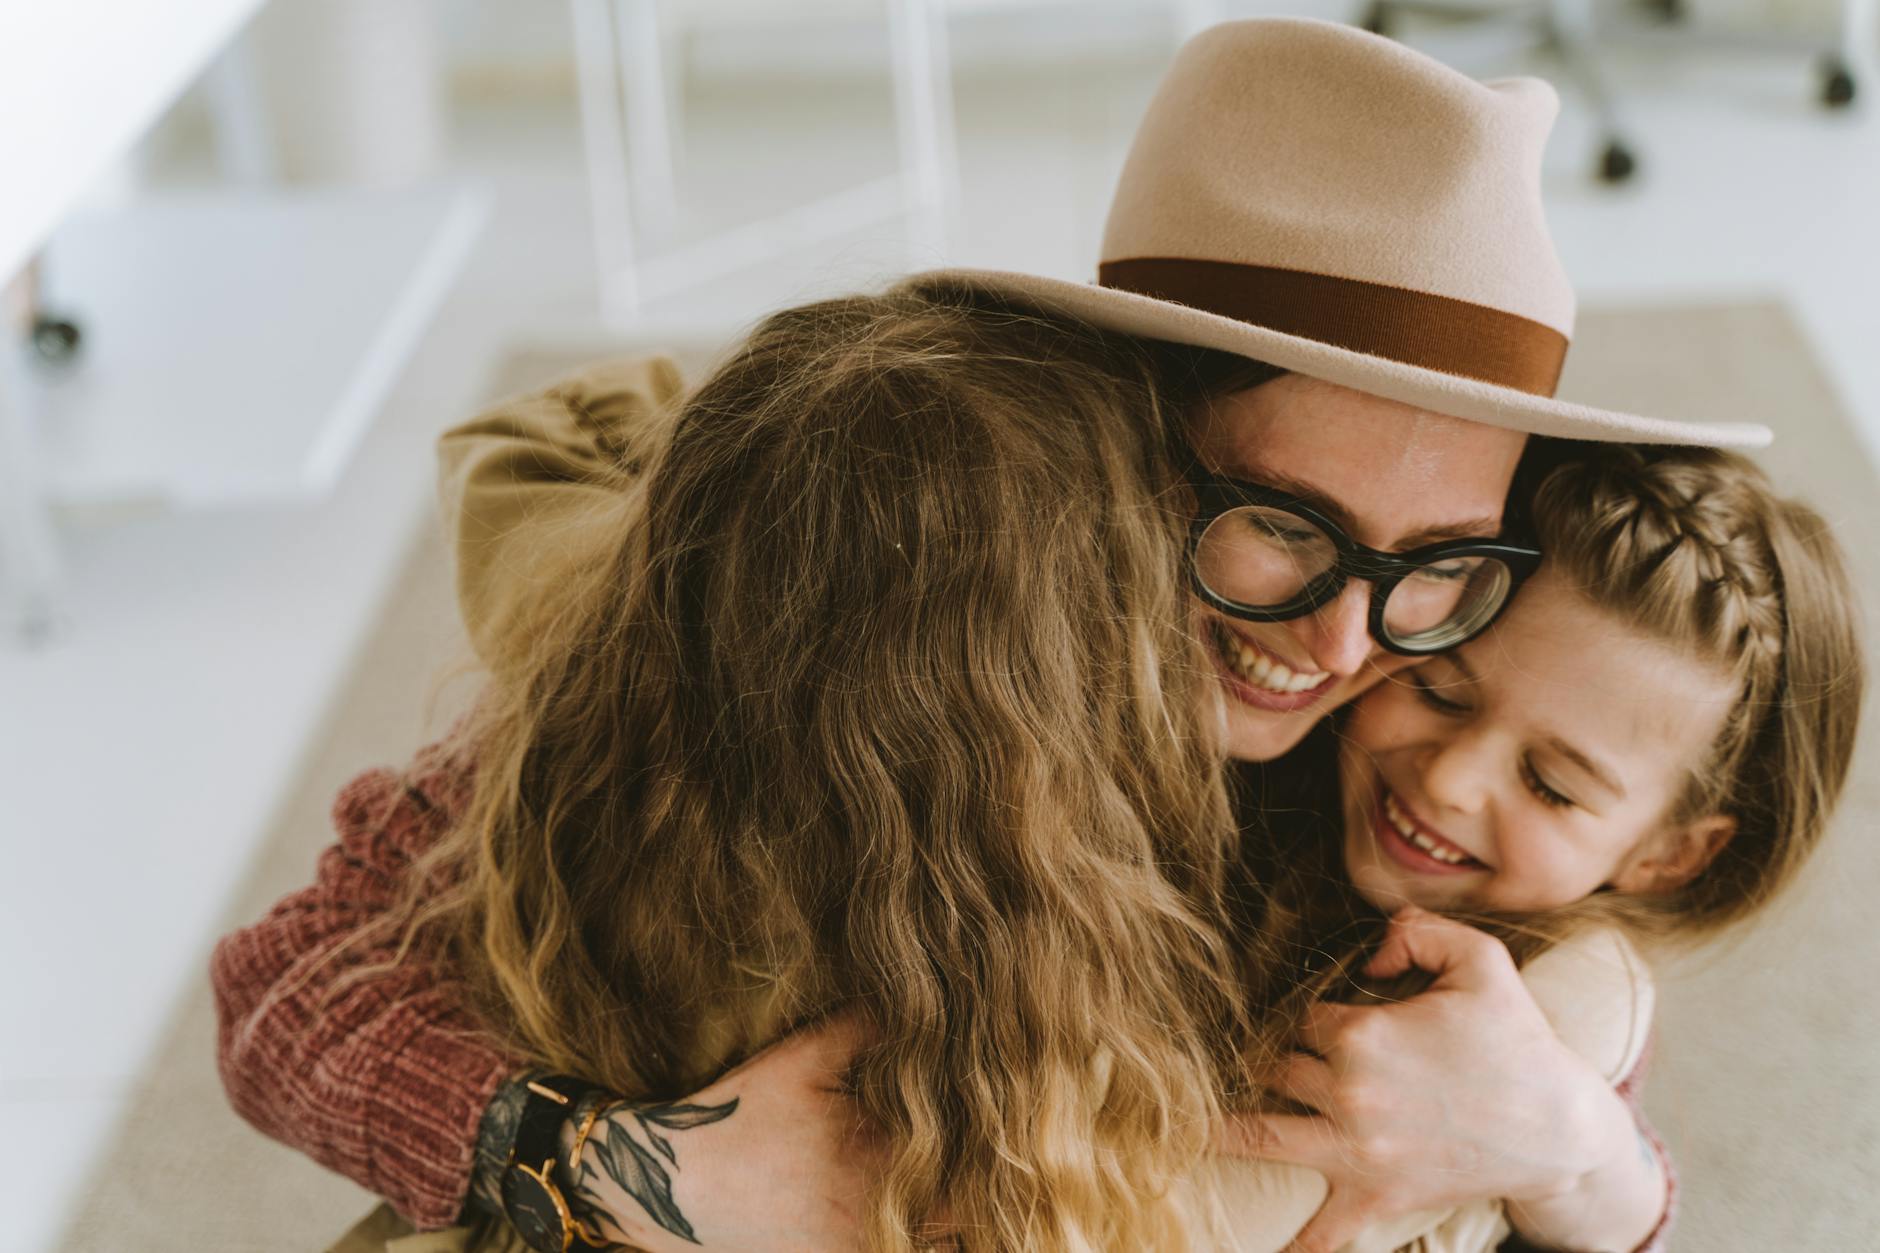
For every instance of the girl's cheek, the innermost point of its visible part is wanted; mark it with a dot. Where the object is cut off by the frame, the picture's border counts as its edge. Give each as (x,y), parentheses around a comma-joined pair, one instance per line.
(1536,866)
(1388,717)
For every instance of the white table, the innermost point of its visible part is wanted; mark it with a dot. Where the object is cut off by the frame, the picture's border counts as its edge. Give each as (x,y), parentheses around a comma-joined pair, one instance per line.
(191,309)
(80,80)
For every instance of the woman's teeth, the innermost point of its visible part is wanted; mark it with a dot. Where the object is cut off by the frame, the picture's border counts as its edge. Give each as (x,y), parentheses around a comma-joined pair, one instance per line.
(1262,671)
(1406,827)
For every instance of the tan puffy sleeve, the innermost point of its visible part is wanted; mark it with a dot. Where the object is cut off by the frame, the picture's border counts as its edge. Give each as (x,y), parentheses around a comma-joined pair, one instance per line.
(538,485)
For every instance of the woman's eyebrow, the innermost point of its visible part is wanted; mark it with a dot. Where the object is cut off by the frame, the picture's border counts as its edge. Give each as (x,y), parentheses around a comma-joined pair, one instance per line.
(1469,528)
(1472,528)
(1591,768)
(1303,491)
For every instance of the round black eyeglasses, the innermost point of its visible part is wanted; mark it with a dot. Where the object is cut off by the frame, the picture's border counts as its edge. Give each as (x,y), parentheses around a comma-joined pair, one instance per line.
(1265,556)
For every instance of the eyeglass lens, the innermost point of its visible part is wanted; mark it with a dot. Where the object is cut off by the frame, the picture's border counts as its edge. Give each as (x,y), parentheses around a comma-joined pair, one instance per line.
(1267,558)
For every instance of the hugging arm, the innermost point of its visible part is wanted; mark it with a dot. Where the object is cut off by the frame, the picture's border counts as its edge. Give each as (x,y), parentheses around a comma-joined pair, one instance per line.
(1461,1094)
(1638,1174)
(383,1079)
(384,1076)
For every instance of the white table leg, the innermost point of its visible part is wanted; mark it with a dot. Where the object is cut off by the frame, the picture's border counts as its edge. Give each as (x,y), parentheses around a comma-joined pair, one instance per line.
(29,558)
(1573,26)
(244,142)
(1860,25)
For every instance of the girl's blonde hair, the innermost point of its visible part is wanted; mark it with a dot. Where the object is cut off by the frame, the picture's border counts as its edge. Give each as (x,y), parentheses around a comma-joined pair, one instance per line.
(885,701)
(1694,548)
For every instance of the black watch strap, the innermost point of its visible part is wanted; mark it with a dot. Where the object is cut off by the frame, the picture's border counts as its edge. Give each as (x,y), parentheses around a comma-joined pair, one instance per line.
(533,1196)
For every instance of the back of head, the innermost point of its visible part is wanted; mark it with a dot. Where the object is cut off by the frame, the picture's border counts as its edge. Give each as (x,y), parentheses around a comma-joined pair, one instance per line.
(887,702)
(1694,548)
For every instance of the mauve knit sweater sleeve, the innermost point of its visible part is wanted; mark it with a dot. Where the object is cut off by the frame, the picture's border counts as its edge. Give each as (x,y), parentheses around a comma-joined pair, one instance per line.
(384,1078)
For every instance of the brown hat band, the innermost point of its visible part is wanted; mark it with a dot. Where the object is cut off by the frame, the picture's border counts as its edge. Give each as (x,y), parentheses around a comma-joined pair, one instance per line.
(1415,328)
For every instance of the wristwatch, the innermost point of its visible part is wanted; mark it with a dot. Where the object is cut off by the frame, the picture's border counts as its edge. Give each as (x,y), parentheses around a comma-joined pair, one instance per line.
(533,1199)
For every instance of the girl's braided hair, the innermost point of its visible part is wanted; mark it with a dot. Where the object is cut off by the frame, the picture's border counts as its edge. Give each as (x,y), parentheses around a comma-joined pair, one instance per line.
(1694,547)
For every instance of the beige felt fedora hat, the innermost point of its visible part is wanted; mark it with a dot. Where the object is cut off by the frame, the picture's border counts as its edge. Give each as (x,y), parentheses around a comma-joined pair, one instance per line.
(1339,205)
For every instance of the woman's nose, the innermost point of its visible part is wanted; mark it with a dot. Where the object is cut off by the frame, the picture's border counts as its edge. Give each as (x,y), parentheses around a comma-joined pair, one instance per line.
(1340,634)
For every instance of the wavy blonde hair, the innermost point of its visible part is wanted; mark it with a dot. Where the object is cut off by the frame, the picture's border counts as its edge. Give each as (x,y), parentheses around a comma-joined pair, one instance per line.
(884,701)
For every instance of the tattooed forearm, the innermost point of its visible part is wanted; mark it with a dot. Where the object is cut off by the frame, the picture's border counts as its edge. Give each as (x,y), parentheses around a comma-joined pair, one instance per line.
(627,1149)
(496,1137)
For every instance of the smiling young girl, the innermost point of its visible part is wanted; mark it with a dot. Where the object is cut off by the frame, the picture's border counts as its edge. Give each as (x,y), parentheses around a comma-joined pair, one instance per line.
(1646,746)
(1655,733)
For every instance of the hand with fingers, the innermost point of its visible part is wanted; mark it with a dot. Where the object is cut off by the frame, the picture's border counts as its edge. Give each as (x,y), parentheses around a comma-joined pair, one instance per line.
(772,1155)
(1459,1094)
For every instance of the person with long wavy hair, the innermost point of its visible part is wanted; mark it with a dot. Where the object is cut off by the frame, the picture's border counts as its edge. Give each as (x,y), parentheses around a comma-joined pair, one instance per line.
(882,705)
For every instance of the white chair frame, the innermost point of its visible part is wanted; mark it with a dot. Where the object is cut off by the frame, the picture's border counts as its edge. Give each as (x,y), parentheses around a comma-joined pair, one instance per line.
(627,113)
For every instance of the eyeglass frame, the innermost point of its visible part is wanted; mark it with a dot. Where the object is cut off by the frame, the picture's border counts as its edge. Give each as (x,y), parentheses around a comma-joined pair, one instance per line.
(1217,494)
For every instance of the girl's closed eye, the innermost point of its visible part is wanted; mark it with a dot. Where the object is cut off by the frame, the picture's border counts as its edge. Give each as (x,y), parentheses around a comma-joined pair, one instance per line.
(1596,738)
(1546,795)
(1428,692)
(1442,698)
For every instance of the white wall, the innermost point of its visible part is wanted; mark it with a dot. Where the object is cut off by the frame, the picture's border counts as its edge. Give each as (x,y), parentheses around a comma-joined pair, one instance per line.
(517,42)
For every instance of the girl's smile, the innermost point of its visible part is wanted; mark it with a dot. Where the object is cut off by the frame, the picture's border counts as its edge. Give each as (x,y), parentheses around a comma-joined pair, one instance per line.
(1414,844)
(1533,766)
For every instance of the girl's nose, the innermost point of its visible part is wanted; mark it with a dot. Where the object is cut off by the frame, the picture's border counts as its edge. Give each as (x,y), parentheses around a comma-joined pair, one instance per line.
(1455,774)
(1339,634)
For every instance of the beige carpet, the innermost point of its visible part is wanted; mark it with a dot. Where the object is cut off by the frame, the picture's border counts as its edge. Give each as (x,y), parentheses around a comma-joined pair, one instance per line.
(1763,1084)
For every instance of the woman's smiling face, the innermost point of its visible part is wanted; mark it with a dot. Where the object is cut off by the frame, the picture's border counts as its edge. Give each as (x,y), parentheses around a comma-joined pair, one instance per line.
(1394,477)
(1533,765)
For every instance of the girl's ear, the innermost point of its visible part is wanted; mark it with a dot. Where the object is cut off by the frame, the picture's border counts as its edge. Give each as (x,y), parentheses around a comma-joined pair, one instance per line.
(1675,857)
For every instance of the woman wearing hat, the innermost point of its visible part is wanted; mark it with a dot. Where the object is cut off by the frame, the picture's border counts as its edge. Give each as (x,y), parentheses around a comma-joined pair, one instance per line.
(1363,229)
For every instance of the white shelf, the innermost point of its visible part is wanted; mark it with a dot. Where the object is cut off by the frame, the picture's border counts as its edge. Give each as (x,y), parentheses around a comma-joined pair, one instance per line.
(237,346)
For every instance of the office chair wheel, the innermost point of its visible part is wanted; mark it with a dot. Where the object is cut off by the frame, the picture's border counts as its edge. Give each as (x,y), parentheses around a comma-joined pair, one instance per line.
(1377,19)
(55,341)
(1837,84)
(1616,163)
